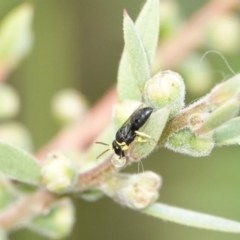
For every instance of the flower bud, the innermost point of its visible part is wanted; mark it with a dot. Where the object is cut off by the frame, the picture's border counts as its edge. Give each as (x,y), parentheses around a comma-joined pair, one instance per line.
(224,25)
(218,117)
(135,191)
(16,134)
(225,91)
(165,89)
(57,222)
(59,173)
(186,142)
(68,106)
(9,101)
(141,190)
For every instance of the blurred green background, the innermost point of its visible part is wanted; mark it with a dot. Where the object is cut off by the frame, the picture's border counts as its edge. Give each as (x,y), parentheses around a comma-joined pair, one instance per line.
(78,44)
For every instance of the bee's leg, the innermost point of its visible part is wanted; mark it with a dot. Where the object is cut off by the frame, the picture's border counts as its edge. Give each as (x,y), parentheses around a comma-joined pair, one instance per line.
(140,137)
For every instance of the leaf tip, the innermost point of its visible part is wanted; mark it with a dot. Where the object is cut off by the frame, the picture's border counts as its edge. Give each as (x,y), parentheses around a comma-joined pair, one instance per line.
(125,14)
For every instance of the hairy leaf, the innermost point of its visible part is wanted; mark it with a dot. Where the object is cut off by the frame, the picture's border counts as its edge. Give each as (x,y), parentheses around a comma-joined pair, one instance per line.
(191,218)
(18,164)
(147,27)
(228,133)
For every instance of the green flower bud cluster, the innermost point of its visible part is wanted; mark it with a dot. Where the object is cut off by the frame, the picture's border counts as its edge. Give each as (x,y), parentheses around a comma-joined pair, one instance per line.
(135,191)
(57,222)
(59,173)
(187,142)
(208,121)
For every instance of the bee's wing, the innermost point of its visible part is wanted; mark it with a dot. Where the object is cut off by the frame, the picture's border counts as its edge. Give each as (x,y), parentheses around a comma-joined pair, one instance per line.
(133,115)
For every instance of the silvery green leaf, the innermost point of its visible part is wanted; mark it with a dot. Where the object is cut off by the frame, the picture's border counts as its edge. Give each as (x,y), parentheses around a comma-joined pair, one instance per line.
(228,133)
(192,218)
(221,115)
(18,164)
(147,26)
(136,53)
(16,35)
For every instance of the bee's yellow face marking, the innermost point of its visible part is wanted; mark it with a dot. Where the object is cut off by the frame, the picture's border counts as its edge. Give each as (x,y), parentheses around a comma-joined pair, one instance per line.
(123,146)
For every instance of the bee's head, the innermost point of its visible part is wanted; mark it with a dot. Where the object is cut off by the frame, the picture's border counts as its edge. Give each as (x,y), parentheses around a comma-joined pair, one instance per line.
(117,149)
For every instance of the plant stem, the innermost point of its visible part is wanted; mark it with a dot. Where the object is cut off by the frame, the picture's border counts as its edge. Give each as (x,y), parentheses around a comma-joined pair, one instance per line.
(182,118)
(25,208)
(171,52)
(81,134)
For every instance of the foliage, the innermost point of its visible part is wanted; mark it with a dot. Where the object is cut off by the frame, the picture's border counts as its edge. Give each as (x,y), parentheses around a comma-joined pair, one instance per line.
(193,130)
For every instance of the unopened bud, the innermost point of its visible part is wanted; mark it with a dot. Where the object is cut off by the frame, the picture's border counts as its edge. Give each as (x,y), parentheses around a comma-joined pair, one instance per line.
(135,191)
(225,91)
(68,106)
(141,190)
(9,101)
(165,89)
(16,134)
(187,142)
(57,222)
(224,25)
(59,173)
(221,115)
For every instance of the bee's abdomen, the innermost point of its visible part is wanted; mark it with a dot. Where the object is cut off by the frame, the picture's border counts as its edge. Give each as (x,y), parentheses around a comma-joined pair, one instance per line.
(140,117)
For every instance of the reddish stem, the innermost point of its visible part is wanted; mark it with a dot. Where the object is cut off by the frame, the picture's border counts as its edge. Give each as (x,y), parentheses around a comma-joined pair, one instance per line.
(81,134)
(25,208)
(172,52)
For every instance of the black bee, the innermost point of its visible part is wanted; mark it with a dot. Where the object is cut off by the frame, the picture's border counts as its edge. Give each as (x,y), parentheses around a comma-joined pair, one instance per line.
(128,132)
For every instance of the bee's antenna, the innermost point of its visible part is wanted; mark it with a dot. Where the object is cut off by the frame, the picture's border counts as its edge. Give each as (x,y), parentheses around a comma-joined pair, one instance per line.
(102,153)
(102,143)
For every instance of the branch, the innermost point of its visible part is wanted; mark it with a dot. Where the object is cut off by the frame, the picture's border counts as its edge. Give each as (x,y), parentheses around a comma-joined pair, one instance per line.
(25,208)
(81,134)
(189,37)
